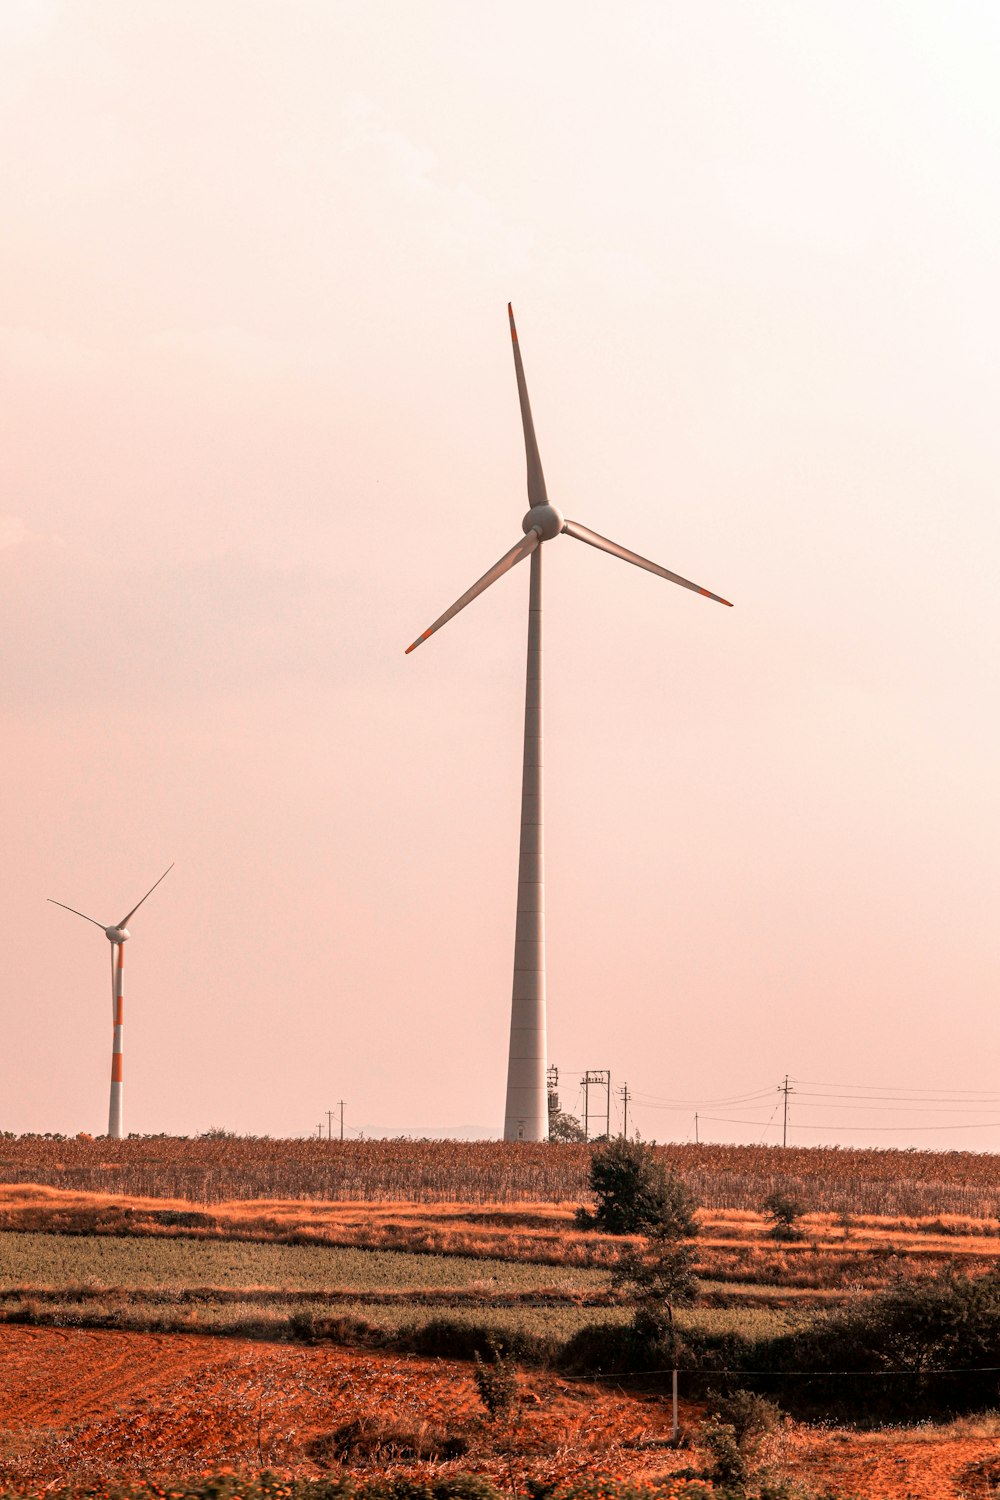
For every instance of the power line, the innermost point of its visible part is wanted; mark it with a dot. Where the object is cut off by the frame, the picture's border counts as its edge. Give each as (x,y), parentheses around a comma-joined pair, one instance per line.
(812,1096)
(684,1109)
(973,1125)
(792,1374)
(888,1087)
(902,1109)
(967,1101)
(668,1101)
(876,1108)
(767,1127)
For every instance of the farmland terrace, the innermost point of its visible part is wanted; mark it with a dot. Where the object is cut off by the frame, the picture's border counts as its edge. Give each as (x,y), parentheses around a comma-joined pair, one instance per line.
(78,1257)
(350,1321)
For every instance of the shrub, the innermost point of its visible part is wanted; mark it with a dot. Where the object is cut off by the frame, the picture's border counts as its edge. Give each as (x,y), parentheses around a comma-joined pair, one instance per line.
(735,1433)
(751,1416)
(312,1328)
(730,1465)
(934,1341)
(368,1437)
(496,1383)
(636,1194)
(450,1338)
(784,1211)
(613,1348)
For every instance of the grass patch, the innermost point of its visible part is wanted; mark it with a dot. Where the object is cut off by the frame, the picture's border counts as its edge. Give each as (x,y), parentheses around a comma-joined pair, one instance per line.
(59,1260)
(531,1327)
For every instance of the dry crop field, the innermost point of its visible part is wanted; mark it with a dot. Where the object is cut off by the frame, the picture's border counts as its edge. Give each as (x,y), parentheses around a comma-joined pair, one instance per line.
(214,1168)
(111,1303)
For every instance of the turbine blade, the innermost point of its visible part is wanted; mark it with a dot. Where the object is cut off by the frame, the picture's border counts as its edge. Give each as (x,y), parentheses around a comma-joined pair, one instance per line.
(152,888)
(510,559)
(76,913)
(584,534)
(536,479)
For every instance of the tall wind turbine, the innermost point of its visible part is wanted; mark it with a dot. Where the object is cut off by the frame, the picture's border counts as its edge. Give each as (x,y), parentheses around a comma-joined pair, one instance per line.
(526,1116)
(117,936)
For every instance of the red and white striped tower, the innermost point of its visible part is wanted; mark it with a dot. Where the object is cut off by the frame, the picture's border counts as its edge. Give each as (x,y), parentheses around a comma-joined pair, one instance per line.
(117,936)
(118,1043)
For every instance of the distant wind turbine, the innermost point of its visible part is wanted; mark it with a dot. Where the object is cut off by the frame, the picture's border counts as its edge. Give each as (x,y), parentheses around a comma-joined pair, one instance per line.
(117,937)
(526,1116)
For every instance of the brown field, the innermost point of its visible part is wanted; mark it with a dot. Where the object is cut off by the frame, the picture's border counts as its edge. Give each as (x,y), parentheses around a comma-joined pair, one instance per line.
(135,1230)
(91,1404)
(88,1406)
(213,1169)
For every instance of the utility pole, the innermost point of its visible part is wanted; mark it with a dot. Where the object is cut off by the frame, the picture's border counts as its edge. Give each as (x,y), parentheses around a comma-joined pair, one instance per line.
(600,1077)
(626,1096)
(319,1130)
(329,1124)
(786,1089)
(341,1103)
(696,1127)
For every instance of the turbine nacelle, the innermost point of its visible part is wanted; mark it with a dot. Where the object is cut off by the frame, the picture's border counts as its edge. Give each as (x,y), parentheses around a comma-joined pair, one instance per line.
(116,934)
(545,520)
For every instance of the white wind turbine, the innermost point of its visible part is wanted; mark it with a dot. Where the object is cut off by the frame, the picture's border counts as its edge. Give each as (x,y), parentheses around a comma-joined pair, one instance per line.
(117,936)
(526,1116)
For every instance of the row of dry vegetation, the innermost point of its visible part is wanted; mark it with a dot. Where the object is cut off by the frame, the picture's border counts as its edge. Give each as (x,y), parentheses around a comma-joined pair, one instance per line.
(736,1252)
(215,1168)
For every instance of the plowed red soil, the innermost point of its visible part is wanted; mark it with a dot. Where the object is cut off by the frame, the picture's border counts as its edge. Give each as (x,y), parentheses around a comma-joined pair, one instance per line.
(87,1405)
(897,1465)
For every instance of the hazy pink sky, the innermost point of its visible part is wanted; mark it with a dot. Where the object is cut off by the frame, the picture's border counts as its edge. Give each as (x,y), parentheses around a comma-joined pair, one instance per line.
(260,427)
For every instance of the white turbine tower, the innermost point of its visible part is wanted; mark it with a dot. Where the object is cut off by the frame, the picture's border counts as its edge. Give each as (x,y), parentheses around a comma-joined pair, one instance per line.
(117,937)
(526,1116)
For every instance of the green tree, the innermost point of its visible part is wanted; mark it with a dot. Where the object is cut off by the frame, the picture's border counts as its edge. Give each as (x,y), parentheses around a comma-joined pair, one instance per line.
(636,1194)
(563,1126)
(657,1277)
(784,1210)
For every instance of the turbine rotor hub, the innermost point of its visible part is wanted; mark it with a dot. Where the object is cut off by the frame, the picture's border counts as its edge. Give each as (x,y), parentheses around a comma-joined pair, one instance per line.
(544,519)
(116,934)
